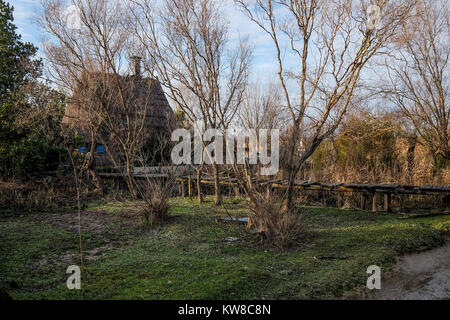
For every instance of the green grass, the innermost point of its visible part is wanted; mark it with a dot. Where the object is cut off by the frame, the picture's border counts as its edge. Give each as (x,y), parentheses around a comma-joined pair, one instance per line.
(187,257)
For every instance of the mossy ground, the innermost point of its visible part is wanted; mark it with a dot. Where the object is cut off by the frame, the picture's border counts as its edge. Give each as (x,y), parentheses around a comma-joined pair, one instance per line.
(187,257)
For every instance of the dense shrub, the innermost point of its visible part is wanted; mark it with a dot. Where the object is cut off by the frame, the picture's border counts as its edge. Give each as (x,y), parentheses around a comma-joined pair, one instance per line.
(375,149)
(22,159)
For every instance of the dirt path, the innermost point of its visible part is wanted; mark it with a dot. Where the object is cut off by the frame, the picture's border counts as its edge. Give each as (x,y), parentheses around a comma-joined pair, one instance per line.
(421,276)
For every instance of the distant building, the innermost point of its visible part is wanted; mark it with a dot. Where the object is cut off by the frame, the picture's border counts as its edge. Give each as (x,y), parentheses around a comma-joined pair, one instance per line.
(125,98)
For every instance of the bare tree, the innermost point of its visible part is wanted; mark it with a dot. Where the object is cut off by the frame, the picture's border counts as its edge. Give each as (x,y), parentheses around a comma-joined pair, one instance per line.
(88,60)
(262,107)
(330,42)
(419,74)
(186,45)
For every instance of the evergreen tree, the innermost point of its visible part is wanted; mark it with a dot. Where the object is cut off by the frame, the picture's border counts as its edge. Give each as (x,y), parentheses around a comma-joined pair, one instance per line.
(16,67)
(24,146)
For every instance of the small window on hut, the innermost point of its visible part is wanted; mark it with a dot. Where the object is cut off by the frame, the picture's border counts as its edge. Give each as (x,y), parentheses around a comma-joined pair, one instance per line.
(100,148)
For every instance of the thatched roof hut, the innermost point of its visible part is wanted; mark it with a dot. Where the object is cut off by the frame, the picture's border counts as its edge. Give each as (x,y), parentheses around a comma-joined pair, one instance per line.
(110,102)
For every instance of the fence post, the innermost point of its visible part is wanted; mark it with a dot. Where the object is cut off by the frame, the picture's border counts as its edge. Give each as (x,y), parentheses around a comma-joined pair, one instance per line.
(374,202)
(189,186)
(387,202)
(339,200)
(183,191)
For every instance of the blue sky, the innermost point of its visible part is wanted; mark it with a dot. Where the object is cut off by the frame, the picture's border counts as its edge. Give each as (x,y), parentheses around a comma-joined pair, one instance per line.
(26,13)
(264,68)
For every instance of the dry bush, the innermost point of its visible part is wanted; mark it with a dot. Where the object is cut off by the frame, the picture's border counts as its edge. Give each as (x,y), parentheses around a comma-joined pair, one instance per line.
(422,169)
(273,225)
(32,195)
(13,194)
(155,196)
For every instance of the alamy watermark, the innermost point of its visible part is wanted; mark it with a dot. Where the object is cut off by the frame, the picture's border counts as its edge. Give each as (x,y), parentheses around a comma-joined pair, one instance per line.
(373,17)
(72,17)
(374,280)
(231,146)
(74,280)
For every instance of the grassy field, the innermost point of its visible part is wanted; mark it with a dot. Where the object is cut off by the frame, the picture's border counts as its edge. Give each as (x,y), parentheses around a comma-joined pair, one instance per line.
(188,258)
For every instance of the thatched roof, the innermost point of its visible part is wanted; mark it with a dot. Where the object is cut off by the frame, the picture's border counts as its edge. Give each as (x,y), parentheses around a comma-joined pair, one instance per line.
(119,96)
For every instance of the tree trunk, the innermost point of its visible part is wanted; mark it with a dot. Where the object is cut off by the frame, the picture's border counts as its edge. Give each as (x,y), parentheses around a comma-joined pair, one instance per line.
(190,186)
(97,180)
(410,159)
(199,188)
(290,205)
(90,166)
(217,194)
(248,175)
(129,177)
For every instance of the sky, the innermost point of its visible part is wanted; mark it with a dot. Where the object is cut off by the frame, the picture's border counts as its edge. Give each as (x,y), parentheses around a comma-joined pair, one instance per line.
(264,66)
(26,13)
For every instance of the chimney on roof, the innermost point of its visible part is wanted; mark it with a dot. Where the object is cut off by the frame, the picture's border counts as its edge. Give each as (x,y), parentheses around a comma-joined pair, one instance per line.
(136,65)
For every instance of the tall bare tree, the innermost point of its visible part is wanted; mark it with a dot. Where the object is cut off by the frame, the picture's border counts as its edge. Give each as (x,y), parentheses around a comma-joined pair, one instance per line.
(186,44)
(88,51)
(321,48)
(419,74)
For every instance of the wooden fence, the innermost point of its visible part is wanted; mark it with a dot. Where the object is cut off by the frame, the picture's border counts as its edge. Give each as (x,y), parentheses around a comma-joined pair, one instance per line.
(368,192)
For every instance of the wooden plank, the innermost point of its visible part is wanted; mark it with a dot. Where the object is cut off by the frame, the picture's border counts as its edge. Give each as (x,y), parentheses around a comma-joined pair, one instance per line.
(435,188)
(332,185)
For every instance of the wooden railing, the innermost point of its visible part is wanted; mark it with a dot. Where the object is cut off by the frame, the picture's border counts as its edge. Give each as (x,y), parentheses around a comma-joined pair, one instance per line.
(372,191)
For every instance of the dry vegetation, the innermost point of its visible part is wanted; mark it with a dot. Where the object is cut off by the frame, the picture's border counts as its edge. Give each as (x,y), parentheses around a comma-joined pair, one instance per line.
(273,226)
(320,96)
